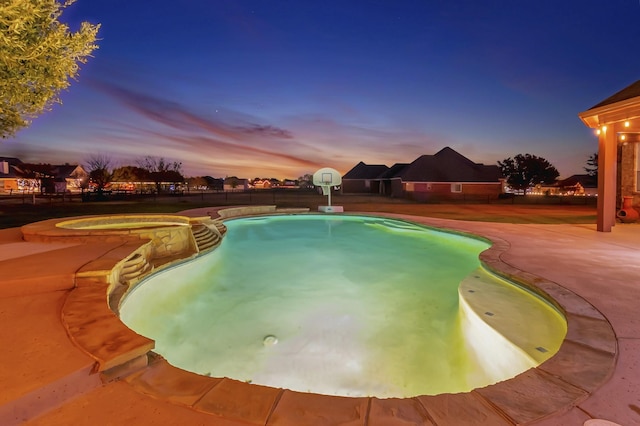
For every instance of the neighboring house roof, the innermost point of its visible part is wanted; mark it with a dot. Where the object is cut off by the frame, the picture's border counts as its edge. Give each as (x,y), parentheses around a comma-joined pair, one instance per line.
(34,171)
(13,162)
(234,179)
(585,181)
(393,171)
(629,92)
(68,171)
(365,171)
(18,169)
(447,165)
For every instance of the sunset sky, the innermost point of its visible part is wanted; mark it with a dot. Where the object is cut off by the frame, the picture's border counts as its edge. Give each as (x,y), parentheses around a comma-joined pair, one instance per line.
(280,88)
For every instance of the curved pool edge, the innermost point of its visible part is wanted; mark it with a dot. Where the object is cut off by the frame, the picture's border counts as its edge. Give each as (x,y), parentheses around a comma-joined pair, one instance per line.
(590,339)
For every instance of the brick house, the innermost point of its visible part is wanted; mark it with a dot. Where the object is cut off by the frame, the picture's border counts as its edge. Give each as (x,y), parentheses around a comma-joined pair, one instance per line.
(363,178)
(444,175)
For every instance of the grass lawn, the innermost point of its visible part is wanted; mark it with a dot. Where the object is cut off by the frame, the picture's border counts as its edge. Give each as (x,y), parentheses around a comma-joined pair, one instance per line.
(543,214)
(17,212)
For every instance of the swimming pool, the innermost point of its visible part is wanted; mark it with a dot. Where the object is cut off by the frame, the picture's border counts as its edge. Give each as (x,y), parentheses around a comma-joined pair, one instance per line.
(339,305)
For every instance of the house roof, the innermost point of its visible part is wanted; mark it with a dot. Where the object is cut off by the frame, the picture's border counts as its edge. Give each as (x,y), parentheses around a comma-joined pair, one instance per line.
(585,181)
(13,162)
(447,165)
(365,171)
(393,171)
(35,171)
(629,92)
(67,170)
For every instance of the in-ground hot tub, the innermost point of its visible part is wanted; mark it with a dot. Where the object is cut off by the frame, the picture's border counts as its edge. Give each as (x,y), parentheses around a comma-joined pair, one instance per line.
(170,235)
(123,222)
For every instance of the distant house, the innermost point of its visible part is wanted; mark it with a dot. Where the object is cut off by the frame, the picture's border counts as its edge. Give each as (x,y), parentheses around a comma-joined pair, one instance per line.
(69,177)
(386,187)
(235,184)
(12,178)
(444,175)
(9,174)
(262,184)
(363,178)
(448,175)
(573,185)
(215,184)
(16,176)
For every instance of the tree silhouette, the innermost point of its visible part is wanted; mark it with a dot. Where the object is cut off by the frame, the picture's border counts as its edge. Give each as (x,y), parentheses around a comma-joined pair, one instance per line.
(592,166)
(525,171)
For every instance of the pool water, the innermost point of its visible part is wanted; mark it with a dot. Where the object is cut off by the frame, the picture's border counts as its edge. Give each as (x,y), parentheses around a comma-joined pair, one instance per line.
(338,305)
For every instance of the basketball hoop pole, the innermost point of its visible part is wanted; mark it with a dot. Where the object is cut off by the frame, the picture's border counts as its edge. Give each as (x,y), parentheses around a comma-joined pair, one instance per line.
(329,188)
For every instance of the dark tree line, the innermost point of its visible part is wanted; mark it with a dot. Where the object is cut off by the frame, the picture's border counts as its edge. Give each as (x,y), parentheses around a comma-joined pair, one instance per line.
(525,170)
(149,169)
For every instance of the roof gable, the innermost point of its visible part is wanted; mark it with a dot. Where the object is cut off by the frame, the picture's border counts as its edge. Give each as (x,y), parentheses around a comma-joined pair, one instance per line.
(585,181)
(11,160)
(394,171)
(9,167)
(447,165)
(365,171)
(65,171)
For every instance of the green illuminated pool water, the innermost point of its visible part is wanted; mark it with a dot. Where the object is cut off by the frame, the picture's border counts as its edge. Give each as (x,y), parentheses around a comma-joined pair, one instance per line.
(339,305)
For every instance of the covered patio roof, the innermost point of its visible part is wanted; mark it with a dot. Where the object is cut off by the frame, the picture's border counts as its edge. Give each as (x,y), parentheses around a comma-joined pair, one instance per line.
(616,120)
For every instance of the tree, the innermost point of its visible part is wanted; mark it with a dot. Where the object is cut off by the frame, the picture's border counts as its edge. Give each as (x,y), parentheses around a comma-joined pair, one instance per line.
(131,176)
(214,183)
(161,170)
(198,182)
(305,181)
(100,175)
(592,166)
(38,56)
(525,171)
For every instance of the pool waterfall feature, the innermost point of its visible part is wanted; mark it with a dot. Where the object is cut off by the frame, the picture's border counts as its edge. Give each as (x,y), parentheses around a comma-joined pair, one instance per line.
(481,325)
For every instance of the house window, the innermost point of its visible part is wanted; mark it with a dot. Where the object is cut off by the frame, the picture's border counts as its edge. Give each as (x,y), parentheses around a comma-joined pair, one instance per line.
(456,187)
(367,183)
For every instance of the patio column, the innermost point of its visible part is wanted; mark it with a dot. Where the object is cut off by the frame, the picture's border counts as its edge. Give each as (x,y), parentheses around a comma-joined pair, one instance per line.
(607,162)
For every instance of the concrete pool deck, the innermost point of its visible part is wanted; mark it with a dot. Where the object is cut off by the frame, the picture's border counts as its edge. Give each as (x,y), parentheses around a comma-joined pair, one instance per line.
(46,379)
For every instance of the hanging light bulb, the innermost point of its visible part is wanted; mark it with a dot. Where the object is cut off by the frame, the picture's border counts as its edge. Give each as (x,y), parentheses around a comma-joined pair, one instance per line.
(626,123)
(623,137)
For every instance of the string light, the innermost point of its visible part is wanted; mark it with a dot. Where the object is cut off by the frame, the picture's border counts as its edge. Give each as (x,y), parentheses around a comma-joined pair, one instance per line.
(626,123)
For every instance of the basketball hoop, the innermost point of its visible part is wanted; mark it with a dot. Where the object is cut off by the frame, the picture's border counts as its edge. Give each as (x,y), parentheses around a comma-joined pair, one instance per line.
(327,178)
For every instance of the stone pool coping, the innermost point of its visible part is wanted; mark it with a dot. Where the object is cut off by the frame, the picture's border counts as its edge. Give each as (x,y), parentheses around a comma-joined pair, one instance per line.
(585,361)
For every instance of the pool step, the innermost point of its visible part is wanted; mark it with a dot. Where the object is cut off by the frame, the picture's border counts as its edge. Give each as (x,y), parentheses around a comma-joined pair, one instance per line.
(134,267)
(205,237)
(220,226)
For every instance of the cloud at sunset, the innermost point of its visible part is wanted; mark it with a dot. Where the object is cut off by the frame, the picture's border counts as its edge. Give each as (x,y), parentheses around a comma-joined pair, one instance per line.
(271,89)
